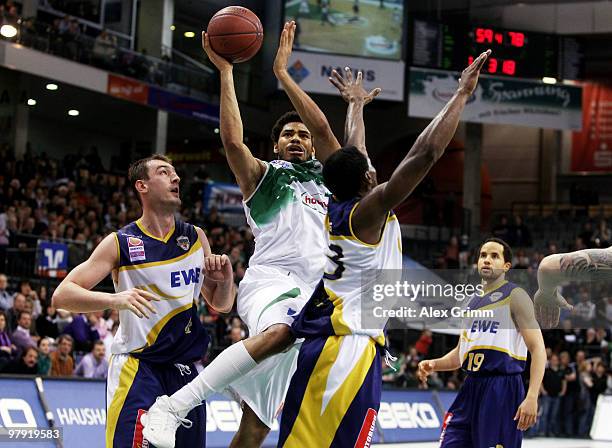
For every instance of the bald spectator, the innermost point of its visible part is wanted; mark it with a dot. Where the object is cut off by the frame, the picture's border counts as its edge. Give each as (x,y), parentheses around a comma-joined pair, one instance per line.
(19,305)
(6,299)
(93,364)
(21,336)
(62,363)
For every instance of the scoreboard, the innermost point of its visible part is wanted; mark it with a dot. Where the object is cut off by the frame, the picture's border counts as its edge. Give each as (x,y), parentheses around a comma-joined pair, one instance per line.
(515,53)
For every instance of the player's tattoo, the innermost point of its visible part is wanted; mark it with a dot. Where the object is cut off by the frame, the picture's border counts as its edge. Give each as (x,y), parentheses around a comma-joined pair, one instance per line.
(584,264)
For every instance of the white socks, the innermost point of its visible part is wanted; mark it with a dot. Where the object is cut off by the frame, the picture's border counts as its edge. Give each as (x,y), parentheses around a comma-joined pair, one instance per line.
(231,364)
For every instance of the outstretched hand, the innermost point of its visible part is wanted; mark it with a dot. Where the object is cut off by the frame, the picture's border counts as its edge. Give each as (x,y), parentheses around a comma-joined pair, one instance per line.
(220,62)
(352,89)
(285,47)
(548,307)
(469,76)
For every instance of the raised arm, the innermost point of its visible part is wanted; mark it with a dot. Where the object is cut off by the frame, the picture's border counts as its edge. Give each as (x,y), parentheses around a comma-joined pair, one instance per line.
(325,142)
(427,149)
(587,264)
(74,292)
(247,169)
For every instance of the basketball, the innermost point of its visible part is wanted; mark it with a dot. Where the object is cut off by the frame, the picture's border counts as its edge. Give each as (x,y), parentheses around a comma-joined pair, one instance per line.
(235,33)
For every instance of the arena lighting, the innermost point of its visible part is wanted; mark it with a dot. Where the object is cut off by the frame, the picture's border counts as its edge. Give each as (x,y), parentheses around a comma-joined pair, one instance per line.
(189,34)
(216,130)
(8,31)
(31,102)
(52,86)
(73,113)
(172,27)
(549,80)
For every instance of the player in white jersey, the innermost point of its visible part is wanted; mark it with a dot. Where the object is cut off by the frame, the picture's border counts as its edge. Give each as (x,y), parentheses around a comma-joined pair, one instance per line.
(491,408)
(285,203)
(159,266)
(335,391)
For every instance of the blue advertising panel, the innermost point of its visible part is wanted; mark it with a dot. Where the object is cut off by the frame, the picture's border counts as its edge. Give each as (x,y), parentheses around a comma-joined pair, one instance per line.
(447,398)
(52,259)
(19,409)
(227,198)
(409,416)
(79,408)
(183,105)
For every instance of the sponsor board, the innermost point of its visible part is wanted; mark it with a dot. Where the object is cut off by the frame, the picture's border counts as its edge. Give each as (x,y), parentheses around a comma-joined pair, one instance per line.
(498,100)
(312,71)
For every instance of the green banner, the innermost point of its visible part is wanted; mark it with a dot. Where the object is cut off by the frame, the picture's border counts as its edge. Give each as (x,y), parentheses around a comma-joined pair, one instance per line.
(498,100)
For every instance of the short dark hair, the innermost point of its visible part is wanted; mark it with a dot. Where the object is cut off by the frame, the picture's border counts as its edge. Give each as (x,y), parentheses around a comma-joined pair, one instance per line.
(138,170)
(288,117)
(343,172)
(507,249)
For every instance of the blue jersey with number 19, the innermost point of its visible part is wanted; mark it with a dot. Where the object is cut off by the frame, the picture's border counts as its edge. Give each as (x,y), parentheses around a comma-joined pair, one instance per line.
(352,266)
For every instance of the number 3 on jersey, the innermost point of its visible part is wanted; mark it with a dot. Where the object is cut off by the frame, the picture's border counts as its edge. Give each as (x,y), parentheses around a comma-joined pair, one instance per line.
(338,255)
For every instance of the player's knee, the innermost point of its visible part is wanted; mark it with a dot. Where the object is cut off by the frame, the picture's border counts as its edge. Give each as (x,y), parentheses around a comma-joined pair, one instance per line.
(279,336)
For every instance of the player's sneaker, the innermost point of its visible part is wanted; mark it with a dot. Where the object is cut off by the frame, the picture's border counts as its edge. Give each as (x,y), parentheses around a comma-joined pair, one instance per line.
(161,422)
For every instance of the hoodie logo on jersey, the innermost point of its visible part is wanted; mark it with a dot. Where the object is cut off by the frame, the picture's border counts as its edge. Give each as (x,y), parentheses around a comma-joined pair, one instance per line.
(136,249)
(183,242)
(317,202)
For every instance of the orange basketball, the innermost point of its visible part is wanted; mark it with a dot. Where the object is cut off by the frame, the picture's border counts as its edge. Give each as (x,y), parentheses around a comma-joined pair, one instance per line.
(235,33)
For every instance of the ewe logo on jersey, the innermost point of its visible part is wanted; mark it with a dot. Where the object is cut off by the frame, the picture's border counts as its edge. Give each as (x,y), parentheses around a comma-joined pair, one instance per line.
(483,326)
(185,277)
(136,249)
(317,202)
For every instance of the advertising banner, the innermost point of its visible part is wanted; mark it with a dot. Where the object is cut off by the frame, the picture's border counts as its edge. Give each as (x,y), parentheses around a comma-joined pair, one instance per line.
(52,259)
(128,89)
(79,408)
(21,409)
(498,100)
(312,71)
(592,147)
(227,198)
(79,411)
(183,105)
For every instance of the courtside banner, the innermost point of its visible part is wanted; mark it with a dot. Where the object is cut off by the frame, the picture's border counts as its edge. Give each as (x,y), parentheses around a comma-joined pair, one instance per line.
(20,409)
(52,259)
(498,100)
(79,408)
(312,71)
(409,416)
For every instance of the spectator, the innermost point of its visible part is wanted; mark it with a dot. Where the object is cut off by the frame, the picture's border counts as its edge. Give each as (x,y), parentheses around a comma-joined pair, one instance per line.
(21,337)
(46,324)
(423,344)
(568,401)
(62,363)
(83,331)
(6,299)
(587,234)
(603,236)
(25,364)
(8,350)
(451,255)
(519,233)
(585,310)
(19,305)
(105,50)
(44,359)
(93,364)
(502,230)
(31,296)
(553,388)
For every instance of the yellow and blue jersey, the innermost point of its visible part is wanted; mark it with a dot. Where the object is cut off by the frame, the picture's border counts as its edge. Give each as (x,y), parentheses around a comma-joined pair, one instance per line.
(172,269)
(352,266)
(490,346)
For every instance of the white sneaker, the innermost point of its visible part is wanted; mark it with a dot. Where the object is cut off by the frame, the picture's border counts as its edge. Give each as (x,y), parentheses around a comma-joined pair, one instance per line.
(161,422)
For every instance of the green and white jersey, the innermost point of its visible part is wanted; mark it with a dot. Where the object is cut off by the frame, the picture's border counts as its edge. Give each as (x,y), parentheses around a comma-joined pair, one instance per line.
(286,214)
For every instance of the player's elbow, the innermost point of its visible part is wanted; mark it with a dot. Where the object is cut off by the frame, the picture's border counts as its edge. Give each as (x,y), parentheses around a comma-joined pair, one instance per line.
(548,265)
(58,299)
